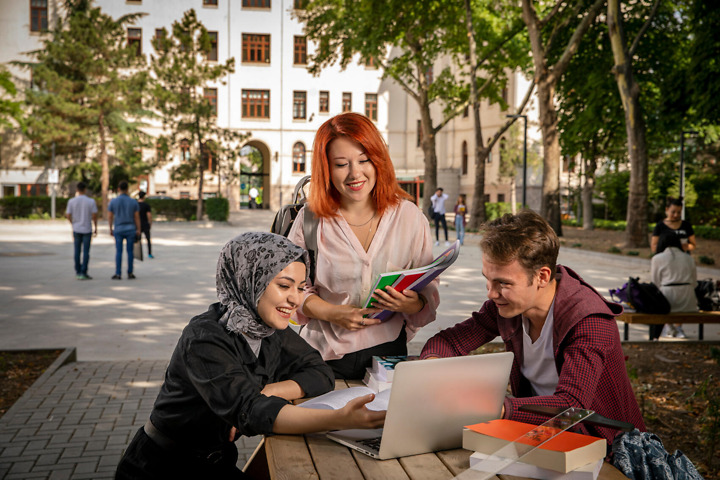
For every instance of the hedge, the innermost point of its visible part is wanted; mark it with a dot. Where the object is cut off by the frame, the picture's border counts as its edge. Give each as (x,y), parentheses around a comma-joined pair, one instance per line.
(217,209)
(171,209)
(701,231)
(25,207)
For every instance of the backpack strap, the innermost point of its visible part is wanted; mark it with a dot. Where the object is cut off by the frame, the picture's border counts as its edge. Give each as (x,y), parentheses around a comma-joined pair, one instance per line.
(310,226)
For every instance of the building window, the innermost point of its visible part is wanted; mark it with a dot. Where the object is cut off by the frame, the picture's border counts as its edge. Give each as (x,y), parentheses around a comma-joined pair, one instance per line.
(347,102)
(299,105)
(184,149)
(501,197)
(466,111)
(419,135)
(210,2)
(256,3)
(371,63)
(324,106)
(505,94)
(299,158)
(464,165)
(209,156)
(210,95)
(300,50)
(256,48)
(159,32)
(256,103)
(213,53)
(299,4)
(487,198)
(134,36)
(38,15)
(501,151)
(429,75)
(489,157)
(371,106)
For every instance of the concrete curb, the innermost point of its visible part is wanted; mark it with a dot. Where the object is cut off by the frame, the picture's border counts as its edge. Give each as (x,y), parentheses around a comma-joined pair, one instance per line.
(68,355)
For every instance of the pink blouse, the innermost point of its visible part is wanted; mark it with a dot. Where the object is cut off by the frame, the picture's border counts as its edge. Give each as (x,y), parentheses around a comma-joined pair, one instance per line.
(345,273)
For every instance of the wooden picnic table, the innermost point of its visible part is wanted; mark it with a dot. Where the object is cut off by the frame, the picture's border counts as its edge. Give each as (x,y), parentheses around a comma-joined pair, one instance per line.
(313,456)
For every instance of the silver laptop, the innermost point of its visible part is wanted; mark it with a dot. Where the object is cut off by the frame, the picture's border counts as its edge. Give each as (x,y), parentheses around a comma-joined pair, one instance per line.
(431,401)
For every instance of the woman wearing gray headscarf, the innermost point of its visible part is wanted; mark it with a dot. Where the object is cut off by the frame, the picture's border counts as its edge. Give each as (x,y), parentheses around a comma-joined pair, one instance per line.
(236,369)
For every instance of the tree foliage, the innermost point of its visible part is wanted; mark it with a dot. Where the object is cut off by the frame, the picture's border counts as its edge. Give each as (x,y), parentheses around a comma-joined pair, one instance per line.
(10,108)
(181,72)
(406,38)
(85,98)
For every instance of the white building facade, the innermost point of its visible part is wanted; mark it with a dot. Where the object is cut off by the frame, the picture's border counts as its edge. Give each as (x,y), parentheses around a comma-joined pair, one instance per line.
(271,95)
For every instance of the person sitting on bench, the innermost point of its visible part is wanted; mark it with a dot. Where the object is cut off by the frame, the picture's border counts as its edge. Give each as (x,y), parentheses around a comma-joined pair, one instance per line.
(675,274)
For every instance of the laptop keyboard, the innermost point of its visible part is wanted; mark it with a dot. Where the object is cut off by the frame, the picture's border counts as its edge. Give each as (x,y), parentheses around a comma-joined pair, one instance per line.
(373,443)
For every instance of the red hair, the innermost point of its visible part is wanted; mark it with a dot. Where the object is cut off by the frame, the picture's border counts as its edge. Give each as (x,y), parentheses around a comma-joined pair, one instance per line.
(324,199)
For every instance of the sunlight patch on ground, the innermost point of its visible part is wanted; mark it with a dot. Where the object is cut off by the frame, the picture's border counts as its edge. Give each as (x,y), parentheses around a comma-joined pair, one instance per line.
(182,243)
(144,384)
(44,297)
(97,302)
(7,289)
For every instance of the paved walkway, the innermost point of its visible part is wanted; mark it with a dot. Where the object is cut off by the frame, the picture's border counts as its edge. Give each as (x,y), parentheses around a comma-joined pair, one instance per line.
(78,417)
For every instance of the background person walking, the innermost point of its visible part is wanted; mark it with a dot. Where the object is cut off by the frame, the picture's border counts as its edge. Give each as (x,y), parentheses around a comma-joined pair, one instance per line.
(460,211)
(438,202)
(124,220)
(145,220)
(81,211)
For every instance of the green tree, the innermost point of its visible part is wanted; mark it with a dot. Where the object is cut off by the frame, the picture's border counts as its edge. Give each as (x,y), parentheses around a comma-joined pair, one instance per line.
(501,50)
(87,87)
(181,73)
(544,24)
(418,33)
(10,111)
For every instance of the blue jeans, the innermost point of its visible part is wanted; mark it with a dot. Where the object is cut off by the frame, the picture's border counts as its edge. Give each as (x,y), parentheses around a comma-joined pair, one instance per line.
(128,236)
(460,228)
(82,240)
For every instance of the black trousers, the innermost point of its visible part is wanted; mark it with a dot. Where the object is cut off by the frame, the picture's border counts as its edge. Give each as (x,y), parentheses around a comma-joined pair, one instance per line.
(352,366)
(146,231)
(440,218)
(144,459)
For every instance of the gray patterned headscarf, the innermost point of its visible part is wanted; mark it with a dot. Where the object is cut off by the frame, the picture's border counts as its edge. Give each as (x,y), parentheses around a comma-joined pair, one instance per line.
(246,266)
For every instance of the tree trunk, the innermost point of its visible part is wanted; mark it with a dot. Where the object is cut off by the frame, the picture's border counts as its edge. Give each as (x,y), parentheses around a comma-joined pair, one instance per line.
(588,189)
(105,169)
(477,212)
(550,205)
(636,233)
(428,147)
(201,173)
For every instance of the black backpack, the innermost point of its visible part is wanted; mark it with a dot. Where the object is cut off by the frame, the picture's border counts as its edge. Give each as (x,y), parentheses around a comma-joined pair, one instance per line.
(646,297)
(707,295)
(285,217)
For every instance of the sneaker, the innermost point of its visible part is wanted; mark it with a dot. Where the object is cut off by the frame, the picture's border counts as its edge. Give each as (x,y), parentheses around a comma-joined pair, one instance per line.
(131,276)
(86,277)
(679,333)
(116,277)
(437,243)
(150,255)
(79,277)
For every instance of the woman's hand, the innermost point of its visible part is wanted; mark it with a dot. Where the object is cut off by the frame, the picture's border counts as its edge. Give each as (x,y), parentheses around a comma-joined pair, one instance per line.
(407,301)
(353,318)
(357,415)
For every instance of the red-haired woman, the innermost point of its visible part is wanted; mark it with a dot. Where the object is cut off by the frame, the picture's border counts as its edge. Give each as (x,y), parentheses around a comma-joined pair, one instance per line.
(366,227)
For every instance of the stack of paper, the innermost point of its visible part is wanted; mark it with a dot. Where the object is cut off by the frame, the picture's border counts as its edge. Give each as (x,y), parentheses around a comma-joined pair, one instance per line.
(414,279)
(380,375)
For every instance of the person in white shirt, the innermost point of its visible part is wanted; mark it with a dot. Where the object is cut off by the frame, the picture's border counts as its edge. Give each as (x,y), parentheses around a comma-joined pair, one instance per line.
(253,193)
(81,212)
(675,274)
(438,203)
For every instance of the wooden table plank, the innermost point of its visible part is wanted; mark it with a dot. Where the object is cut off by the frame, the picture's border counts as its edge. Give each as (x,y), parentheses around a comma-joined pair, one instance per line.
(289,458)
(425,467)
(330,461)
(457,461)
(379,469)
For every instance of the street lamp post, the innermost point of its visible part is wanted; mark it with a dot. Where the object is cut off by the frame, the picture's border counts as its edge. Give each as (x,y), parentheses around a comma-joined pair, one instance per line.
(682,167)
(524,190)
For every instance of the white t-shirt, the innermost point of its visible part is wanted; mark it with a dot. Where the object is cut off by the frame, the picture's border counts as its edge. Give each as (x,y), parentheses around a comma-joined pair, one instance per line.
(253,192)
(439,203)
(539,359)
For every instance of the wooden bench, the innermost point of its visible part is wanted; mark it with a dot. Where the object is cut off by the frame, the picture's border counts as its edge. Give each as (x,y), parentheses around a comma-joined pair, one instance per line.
(700,318)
